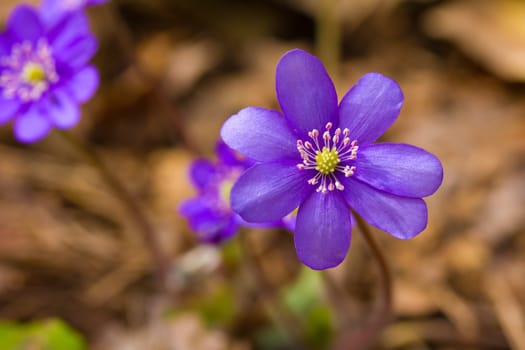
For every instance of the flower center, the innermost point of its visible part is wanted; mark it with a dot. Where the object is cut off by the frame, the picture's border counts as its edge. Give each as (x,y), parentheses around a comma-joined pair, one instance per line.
(33,73)
(328,157)
(225,188)
(326,160)
(28,71)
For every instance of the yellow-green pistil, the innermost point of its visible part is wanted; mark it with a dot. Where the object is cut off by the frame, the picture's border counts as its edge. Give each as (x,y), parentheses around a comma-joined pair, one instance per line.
(326,160)
(34,73)
(225,189)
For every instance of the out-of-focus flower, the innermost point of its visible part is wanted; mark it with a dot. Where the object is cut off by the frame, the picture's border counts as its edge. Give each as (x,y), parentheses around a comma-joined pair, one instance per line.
(209,214)
(53,10)
(321,157)
(44,72)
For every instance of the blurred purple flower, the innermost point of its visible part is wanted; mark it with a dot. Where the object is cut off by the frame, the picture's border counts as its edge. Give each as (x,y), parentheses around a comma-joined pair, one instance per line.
(44,72)
(209,214)
(321,157)
(53,10)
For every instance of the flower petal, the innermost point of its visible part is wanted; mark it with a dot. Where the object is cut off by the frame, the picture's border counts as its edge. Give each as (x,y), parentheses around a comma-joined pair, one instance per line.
(269,191)
(78,53)
(61,7)
(231,158)
(260,134)
(31,126)
(305,92)
(5,44)
(209,223)
(66,28)
(62,110)
(24,24)
(401,217)
(8,108)
(323,230)
(83,84)
(203,173)
(56,8)
(52,11)
(370,107)
(400,169)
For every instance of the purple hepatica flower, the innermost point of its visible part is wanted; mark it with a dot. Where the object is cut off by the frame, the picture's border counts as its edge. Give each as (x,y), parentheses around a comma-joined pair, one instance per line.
(44,72)
(321,157)
(209,214)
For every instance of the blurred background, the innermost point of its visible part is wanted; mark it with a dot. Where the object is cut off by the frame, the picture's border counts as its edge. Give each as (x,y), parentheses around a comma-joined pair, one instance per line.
(74,273)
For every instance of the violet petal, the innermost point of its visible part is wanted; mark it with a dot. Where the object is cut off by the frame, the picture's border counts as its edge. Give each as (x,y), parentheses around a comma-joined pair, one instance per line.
(323,230)
(370,107)
(5,44)
(31,126)
(269,191)
(24,24)
(8,108)
(305,92)
(68,29)
(83,84)
(260,134)
(203,174)
(401,217)
(400,169)
(230,157)
(78,53)
(62,111)
(210,224)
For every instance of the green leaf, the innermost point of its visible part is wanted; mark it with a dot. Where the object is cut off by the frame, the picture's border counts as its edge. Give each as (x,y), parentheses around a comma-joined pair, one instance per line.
(305,298)
(218,307)
(11,336)
(305,292)
(50,334)
(320,327)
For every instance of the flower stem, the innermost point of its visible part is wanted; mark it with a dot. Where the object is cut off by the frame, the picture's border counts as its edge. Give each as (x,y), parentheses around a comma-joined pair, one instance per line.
(136,214)
(386,295)
(328,35)
(366,335)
